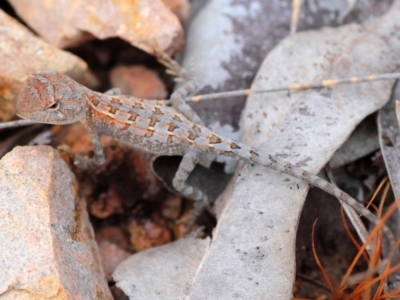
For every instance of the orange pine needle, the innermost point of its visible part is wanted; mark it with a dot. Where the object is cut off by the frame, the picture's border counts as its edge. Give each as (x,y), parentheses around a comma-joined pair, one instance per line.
(327,279)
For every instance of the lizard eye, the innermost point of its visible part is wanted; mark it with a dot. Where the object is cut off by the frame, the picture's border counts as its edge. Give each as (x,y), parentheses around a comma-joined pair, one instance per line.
(53,106)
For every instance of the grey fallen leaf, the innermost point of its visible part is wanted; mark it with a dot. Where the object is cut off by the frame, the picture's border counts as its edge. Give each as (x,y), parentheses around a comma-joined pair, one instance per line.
(43,138)
(362,141)
(164,272)
(232,62)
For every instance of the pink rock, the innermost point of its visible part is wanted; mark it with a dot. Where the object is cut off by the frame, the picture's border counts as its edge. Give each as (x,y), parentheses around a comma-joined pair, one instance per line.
(138,81)
(143,23)
(47,248)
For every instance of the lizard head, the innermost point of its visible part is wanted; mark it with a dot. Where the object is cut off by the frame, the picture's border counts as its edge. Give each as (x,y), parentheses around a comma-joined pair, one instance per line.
(51,98)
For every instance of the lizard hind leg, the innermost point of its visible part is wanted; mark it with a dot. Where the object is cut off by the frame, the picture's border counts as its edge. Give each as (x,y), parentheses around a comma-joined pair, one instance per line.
(187,165)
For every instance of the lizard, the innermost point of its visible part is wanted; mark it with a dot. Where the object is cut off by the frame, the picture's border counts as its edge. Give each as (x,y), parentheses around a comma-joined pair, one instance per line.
(156,127)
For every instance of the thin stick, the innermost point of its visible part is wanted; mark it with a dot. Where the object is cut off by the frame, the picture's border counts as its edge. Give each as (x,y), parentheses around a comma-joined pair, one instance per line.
(296,87)
(17,123)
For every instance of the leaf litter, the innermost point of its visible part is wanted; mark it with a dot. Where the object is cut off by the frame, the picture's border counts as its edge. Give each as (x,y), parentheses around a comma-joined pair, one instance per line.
(251,250)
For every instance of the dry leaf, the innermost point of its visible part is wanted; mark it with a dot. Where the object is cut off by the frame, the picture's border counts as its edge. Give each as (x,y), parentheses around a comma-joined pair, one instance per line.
(175,265)
(363,141)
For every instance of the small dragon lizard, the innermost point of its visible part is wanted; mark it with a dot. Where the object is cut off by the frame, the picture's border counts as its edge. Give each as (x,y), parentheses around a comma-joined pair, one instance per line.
(156,127)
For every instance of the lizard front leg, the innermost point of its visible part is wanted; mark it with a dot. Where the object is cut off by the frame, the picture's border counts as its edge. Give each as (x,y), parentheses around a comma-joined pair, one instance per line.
(84,162)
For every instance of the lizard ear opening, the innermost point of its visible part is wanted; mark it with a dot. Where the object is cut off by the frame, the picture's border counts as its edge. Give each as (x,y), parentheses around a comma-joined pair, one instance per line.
(53,106)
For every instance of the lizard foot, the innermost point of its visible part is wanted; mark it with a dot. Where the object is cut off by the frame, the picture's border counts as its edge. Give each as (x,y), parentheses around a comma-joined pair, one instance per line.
(79,161)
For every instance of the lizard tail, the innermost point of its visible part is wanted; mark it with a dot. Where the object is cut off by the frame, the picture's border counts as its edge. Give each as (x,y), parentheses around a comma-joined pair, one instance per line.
(249,154)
